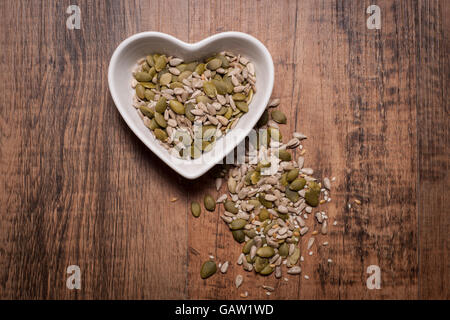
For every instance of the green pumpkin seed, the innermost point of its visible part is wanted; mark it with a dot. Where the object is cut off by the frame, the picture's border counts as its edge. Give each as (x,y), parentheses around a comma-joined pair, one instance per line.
(225,62)
(143,76)
(209,89)
(238,224)
(260,264)
(241,105)
(176,106)
(228,113)
(200,68)
(249,97)
(208,269)
(264,202)
(279,116)
(239,96)
(297,184)
(238,235)
(255,203)
(221,86)
(147,85)
(184,75)
(191,66)
(292,195)
(292,175)
(150,61)
(146,111)
(209,202)
(187,111)
(248,245)
(265,252)
(229,83)
(283,250)
(263,215)
(160,63)
(230,206)
(149,95)
(140,91)
(175,84)
(165,79)
(203,99)
(284,155)
(196,209)
(267,270)
(161,105)
(293,259)
(153,124)
(250,233)
(160,120)
(160,134)
(214,64)
(283,179)
(312,198)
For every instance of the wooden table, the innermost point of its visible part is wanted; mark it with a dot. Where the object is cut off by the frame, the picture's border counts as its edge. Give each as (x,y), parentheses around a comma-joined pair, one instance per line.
(78,188)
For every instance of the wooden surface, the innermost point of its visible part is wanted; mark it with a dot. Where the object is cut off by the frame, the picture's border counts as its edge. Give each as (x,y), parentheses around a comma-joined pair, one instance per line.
(78,188)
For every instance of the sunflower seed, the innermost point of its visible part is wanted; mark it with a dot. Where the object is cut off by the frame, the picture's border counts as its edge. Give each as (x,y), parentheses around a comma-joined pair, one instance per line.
(238,281)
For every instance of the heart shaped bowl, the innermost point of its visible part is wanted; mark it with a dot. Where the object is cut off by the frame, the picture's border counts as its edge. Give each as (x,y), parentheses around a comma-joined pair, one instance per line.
(124,60)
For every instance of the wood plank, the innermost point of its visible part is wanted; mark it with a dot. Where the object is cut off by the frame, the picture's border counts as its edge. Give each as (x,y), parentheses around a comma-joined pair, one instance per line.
(86,191)
(433,77)
(355,99)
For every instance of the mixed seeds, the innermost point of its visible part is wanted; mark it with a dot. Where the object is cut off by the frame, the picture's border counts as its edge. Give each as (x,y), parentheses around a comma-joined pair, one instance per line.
(270,197)
(188,105)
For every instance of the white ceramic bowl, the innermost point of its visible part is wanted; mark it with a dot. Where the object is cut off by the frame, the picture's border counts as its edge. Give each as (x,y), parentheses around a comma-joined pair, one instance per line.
(139,45)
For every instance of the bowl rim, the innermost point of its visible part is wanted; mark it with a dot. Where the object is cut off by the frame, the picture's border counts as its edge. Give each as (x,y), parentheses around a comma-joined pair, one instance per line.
(189,174)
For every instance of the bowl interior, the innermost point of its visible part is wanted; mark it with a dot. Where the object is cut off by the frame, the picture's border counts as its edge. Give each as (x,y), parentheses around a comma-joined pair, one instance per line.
(132,49)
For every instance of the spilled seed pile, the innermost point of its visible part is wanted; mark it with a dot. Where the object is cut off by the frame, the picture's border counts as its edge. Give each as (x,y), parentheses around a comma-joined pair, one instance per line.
(268,203)
(173,97)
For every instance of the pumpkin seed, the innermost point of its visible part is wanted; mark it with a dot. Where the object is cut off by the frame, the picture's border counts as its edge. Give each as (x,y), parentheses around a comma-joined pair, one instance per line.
(279,116)
(161,105)
(160,134)
(241,105)
(238,235)
(176,106)
(284,155)
(210,203)
(140,91)
(237,224)
(209,89)
(149,95)
(283,250)
(230,206)
(292,175)
(248,245)
(165,79)
(196,210)
(267,270)
(260,263)
(214,64)
(143,76)
(264,215)
(297,184)
(160,63)
(265,252)
(160,120)
(208,269)
(146,111)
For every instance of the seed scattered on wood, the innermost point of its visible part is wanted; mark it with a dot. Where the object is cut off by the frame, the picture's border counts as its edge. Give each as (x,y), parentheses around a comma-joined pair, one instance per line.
(238,281)
(224,267)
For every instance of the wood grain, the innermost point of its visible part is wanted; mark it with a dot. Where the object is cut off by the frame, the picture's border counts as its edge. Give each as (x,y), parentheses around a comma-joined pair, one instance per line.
(77,187)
